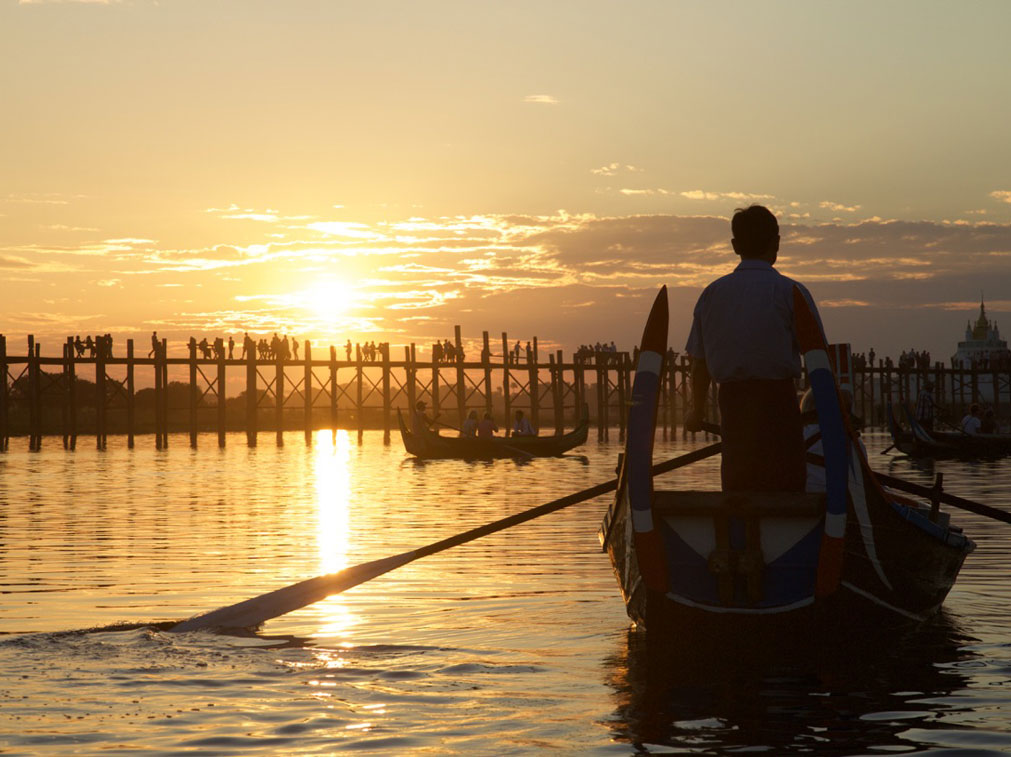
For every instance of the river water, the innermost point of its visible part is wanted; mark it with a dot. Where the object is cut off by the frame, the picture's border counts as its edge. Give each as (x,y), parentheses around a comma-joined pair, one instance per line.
(517,643)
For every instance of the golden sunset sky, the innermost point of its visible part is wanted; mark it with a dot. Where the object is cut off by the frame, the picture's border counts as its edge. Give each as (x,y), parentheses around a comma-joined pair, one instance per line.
(384,170)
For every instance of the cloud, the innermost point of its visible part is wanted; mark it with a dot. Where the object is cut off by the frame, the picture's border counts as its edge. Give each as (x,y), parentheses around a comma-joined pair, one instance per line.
(699,194)
(613,169)
(837,207)
(1003,195)
(541,99)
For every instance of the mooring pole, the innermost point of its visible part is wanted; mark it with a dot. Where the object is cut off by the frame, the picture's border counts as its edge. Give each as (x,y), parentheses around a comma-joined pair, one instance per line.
(222,397)
(333,393)
(252,398)
(461,388)
(410,353)
(194,392)
(4,394)
(486,369)
(279,397)
(164,393)
(307,391)
(384,349)
(506,391)
(359,378)
(131,410)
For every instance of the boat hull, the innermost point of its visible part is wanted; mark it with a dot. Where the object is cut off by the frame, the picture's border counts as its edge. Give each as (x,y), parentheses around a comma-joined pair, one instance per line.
(431,446)
(710,566)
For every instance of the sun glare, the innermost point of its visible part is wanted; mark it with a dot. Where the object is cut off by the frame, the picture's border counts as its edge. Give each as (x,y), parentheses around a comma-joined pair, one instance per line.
(329,301)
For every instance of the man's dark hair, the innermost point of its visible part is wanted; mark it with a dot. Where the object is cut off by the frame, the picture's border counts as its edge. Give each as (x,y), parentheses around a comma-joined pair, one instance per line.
(754,228)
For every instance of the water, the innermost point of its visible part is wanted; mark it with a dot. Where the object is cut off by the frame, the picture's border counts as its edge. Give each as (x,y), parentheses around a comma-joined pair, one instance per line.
(514,644)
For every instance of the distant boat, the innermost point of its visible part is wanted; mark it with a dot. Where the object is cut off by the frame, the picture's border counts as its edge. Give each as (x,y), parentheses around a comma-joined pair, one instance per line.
(429,445)
(746,568)
(939,445)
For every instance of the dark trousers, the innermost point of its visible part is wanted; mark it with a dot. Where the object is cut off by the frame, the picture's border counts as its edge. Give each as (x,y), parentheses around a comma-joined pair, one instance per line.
(763,437)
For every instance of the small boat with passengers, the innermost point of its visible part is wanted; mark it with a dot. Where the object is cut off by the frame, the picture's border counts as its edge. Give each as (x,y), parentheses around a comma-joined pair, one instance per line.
(429,445)
(939,445)
(771,568)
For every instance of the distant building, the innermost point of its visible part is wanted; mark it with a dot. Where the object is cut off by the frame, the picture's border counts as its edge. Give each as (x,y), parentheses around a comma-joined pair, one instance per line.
(982,345)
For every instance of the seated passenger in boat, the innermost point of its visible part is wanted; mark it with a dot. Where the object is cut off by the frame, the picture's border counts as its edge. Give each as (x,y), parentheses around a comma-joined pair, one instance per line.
(989,423)
(521,426)
(420,423)
(812,437)
(469,428)
(486,428)
(972,423)
(925,406)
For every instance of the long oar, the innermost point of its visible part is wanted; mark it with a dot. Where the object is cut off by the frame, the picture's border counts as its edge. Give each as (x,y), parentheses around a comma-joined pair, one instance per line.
(925,491)
(257,610)
(908,486)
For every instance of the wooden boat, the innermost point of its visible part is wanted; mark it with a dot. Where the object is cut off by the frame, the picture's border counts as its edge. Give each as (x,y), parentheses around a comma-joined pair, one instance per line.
(429,445)
(918,442)
(772,568)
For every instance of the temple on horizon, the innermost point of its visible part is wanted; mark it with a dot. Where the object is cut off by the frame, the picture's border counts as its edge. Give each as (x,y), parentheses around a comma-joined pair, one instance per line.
(982,342)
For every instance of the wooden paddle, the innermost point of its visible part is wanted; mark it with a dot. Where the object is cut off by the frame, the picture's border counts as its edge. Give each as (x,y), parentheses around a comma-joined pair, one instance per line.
(253,612)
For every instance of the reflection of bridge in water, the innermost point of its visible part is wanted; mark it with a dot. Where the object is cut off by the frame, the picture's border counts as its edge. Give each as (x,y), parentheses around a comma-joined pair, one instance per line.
(53,396)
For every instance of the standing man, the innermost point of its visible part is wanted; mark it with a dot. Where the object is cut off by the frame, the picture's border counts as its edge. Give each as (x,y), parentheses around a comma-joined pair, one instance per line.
(743,338)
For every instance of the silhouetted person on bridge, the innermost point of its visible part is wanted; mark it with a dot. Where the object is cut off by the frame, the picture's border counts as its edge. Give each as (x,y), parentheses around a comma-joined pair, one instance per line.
(154,344)
(231,347)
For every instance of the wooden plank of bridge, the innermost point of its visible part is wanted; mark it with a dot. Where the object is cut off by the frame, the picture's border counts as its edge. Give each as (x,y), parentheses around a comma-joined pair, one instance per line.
(279,398)
(222,396)
(461,389)
(384,350)
(506,391)
(333,393)
(435,387)
(578,388)
(307,391)
(535,388)
(131,409)
(486,368)
(194,392)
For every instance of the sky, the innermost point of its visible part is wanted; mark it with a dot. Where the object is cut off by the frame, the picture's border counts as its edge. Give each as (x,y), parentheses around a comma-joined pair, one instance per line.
(385,170)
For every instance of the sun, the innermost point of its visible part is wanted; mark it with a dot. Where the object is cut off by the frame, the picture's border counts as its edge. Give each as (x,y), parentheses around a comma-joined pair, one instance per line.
(329,301)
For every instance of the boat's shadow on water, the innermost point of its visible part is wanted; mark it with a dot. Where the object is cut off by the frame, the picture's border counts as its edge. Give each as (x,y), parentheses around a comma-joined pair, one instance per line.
(848,698)
(519,462)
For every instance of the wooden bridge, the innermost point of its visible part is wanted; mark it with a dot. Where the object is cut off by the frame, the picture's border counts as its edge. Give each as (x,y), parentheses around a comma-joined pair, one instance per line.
(44,395)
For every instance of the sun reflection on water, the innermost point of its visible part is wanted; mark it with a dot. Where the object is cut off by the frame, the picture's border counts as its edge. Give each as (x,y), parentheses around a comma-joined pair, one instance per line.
(331,464)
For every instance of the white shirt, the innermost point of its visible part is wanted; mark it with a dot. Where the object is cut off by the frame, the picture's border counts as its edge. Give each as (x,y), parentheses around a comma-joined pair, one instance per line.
(971,424)
(743,325)
(522,427)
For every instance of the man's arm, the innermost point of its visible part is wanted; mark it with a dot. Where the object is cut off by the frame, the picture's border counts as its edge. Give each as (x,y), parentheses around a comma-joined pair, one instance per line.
(700,391)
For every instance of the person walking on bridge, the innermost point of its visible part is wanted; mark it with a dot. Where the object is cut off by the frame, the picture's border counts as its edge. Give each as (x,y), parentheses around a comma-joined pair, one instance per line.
(743,338)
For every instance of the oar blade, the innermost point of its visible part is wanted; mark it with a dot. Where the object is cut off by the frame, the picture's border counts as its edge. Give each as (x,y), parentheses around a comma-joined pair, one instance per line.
(252,612)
